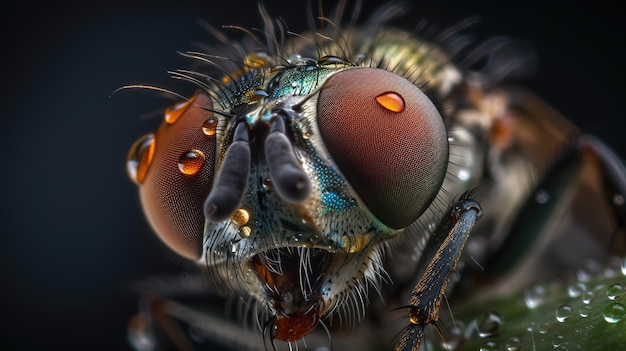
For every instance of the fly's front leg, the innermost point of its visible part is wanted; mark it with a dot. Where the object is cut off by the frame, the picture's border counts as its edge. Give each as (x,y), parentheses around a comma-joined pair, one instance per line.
(438,262)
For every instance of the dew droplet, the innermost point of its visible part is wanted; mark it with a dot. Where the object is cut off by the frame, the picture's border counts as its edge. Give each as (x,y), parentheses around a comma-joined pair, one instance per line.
(584,311)
(615,312)
(587,297)
(391,101)
(544,328)
(173,113)
(534,296)
(576,289)
(623,266)
(488,324)
(209,126)
(588,269)
(612,267)
(513,343)
(139,158)
(241,216)
(245,231)
(558,340)
(454,339)
(563,313)
(489,346)
(615,291)
(190,162)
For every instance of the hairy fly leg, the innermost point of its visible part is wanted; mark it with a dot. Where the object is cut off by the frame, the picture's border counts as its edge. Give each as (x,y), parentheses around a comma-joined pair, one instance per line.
(436,266)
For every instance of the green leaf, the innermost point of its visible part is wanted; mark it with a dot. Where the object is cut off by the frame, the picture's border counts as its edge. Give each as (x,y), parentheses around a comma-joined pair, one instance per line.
(584,313)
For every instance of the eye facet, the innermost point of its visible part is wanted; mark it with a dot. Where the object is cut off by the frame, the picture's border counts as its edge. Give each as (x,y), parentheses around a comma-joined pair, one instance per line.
(388,139)
(176,167)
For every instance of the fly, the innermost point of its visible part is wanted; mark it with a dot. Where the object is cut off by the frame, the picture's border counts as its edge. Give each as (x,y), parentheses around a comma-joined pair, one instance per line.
(309,170)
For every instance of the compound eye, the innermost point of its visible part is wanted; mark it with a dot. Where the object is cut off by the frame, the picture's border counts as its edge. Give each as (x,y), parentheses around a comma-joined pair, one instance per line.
(174,169)
(387,138)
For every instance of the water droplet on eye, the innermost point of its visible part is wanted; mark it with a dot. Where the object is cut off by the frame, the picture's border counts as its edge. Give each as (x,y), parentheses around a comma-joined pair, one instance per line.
(139,158)
(241,216)
(615,291)
(534,296)
(563,313)
(173,113)
(584,311)
(209,126)
(489,346)
(588,297)
(576,289)
(245,232)
(391,101)
(190,162)
(488,324)
(614,312)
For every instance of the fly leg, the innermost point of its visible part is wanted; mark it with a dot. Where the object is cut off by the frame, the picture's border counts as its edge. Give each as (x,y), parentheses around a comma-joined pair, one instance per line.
(436,266)
(154,326)
(182,313)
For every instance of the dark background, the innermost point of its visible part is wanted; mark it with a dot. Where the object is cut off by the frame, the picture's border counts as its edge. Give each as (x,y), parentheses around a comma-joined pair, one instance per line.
(72,235)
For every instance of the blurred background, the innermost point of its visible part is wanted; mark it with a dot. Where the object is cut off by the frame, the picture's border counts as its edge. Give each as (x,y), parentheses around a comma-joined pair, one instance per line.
(72,234)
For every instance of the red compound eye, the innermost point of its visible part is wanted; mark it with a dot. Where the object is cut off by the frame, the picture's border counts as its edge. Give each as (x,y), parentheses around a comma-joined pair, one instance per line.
(387,138)
(174,168)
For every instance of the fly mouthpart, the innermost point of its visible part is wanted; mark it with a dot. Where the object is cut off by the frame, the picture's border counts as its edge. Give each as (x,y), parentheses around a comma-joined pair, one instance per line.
(293,278)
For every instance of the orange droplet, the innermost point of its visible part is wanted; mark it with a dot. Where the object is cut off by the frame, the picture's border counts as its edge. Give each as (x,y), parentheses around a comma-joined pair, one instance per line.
(241,216)
(209,126)
(245,232)
(139,158)
(391,101)
(173,113)
(190,162)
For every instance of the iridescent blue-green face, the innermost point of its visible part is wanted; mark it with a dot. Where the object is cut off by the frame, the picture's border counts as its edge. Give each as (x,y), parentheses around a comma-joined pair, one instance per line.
(315,164)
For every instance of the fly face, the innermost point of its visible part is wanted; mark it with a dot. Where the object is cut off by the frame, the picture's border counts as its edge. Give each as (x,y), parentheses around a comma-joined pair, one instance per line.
(299,185)
(289,177)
